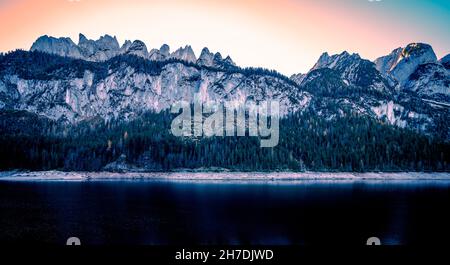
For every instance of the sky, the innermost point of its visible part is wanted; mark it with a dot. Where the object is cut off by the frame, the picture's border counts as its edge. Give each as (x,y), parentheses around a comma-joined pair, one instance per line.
(285,35)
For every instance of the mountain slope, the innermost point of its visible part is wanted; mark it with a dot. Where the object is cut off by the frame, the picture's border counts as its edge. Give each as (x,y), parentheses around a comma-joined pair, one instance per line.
(112,82)
(354,70)
(416,68)
(125,86)
(98,105)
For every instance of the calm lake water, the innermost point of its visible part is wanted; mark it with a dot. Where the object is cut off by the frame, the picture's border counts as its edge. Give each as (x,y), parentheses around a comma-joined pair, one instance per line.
(165,212)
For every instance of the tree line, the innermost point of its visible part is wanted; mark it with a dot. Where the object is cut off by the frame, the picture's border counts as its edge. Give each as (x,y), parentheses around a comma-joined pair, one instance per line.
(307,142)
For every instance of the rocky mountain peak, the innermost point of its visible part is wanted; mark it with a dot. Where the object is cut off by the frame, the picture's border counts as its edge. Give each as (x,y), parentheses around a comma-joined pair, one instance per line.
(186,54)
(126,45)
(400,64)
(165,50)
(161,54)
(334,61)
(445,61)
(218,57)
(71,93)
(138,48)
(102,49)
(229,61)
(298,78)
(206,57)
(82,39)
(385,63)
(107,42)
(60,46)
(430,80)
(417,49)
(323,60)
(352,69)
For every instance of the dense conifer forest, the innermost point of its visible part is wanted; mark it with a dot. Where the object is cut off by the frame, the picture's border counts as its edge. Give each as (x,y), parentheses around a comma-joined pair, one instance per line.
(307,142)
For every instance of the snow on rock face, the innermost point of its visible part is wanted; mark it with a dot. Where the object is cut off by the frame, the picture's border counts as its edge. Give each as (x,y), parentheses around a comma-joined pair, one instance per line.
(387,110)
(432,80)
(410,58)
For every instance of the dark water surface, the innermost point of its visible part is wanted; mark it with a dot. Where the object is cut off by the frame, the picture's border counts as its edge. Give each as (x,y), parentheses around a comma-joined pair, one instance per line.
(164,212)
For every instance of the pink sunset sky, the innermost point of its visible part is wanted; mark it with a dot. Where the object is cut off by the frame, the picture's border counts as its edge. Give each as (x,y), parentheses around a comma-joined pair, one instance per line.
(285,35)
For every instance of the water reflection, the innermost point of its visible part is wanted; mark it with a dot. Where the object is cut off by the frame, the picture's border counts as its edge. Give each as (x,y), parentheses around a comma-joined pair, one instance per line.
(235,212)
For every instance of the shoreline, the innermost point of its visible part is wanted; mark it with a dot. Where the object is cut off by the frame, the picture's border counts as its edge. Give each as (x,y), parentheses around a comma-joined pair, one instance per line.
(220,176)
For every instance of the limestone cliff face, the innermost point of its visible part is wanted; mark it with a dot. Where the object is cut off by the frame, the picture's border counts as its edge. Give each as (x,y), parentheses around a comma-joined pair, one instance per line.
(407,88)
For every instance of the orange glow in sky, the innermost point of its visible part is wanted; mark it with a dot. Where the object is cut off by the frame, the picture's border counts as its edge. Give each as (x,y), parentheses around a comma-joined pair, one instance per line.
(285,35)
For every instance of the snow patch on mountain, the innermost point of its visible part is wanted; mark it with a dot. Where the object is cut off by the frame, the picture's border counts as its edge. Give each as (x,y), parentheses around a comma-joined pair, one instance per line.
(388,110)
(432,80)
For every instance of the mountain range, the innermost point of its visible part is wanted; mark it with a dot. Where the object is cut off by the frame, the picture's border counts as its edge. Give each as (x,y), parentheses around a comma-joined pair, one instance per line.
(407,87)
(70,84)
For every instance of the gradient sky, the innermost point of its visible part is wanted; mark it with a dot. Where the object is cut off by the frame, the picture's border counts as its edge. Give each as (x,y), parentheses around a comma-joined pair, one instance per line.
(285,35)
